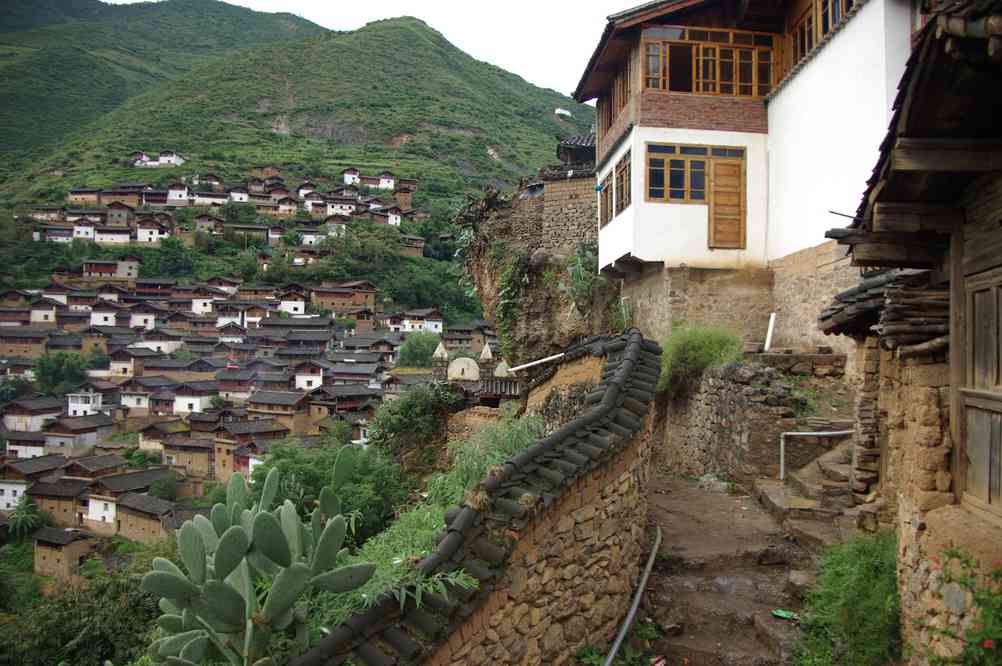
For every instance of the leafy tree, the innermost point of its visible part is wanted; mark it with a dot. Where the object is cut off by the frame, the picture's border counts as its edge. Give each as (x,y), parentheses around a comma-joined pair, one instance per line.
(165,488)
(60,373)
(238,213)
(415,418)
(376,487)
(291,238)
(12,388)
(417,350)
(217,402)
(25,518)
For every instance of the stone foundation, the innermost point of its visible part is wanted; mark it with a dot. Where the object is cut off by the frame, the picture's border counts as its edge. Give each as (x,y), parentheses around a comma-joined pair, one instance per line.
(818,365)
(570,579)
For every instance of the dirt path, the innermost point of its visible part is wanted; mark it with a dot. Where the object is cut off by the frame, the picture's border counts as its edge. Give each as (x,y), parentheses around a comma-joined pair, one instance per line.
(723,567)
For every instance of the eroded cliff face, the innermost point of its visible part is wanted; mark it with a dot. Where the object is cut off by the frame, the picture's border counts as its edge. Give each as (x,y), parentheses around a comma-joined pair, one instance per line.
(531,258)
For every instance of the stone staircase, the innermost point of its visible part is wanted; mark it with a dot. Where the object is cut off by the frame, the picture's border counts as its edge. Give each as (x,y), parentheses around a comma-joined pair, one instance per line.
(724,567)
(823,502)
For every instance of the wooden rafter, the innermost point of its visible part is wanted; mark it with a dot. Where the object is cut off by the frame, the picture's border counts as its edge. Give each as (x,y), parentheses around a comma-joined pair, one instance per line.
(916,218)
(947,155)
(894,256)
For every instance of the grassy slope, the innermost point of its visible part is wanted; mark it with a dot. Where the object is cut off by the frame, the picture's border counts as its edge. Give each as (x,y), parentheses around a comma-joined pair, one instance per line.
(393,94)
(64,63)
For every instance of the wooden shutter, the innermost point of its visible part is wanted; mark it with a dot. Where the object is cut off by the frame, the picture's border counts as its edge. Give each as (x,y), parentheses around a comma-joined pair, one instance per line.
(982,397)
(727,204)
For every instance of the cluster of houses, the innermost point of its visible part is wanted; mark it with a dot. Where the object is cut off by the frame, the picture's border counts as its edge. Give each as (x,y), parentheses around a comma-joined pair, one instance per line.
(137,212)
(209,375)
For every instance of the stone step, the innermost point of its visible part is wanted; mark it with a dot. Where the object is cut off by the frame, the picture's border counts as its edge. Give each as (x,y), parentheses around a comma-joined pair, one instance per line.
(835,487)
(779,635)
(835,471)
(815,535)
(715,648)
(783,502)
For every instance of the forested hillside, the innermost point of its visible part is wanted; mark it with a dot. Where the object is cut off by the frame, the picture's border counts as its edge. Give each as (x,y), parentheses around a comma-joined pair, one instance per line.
(64,63)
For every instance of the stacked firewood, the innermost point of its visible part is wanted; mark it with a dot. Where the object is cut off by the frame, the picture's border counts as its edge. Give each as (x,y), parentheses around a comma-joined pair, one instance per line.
(915,320)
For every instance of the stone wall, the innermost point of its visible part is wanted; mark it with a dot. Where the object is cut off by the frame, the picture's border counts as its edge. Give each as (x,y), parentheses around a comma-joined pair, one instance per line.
(805,282)
(558,395)
(729,426)
(916,449)
(571,576)
(817,365)
(740,300)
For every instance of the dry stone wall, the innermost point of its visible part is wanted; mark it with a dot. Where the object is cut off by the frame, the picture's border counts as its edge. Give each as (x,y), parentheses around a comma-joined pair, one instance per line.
(554,537)
(729,425)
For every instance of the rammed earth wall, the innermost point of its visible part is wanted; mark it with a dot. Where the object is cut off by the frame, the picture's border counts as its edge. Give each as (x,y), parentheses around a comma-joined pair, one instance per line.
(555,537)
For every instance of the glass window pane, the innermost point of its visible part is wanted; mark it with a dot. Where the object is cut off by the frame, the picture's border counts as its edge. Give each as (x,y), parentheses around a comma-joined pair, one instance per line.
(676,194)
(735,152)
(700,196)
(663,33)
(720,37)
(657,178)
(719,152)
(694,150)
(656,193)
(743,38)
(660,149)
(677,179)
(697,181)
(698,35)
(763,40)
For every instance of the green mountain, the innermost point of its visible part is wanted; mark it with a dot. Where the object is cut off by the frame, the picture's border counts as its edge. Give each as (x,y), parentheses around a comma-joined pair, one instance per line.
(64,63)
(394,94)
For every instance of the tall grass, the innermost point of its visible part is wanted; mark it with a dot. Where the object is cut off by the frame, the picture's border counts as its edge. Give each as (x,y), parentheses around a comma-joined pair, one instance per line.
(852,617)
(692,349)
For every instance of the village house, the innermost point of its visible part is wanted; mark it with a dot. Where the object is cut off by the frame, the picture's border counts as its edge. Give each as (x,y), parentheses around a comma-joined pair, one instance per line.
(192,455)
(59,553)
(24,444)
(92,467)
(76,435)
(144,518)
(289,408)
(61,499)
(120,269)
(84,196)
(194,396)
(17,475)
(31,414)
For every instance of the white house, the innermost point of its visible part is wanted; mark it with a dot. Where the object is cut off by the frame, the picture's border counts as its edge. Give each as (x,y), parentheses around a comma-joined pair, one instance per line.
(351,176)
(43,312)
(194,397)
(309,375)
(293,303)
(11,491)
(101,509)
(112,235)
(23,445)
(83,404)
(209,198)
(738,163)
(83,230)
(177,194)
(146,320)
(170,158)
(152,232)
(102,315)
(387,181)
(201,305)
(239,194)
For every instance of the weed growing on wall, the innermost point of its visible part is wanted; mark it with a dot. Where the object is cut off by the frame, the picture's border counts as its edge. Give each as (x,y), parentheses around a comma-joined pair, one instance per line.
(692,349)
(582,269)
(852,617)
(511,286)
(983,638)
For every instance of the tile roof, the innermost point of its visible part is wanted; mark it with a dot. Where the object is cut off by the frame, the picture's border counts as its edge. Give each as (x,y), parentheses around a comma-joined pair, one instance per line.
(614,415)
(275,398)
(37,465)
(40,404)
(254,426)
(61,488)
(144,503)
(56,536)
(98,463)
(18,436)
(134,480)
(75,423)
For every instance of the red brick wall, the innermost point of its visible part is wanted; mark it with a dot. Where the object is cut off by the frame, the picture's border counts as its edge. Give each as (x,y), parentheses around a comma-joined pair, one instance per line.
(706,112)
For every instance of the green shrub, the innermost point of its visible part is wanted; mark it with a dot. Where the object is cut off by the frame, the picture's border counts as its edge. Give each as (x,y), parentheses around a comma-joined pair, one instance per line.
(416,418)
(982,638)
(418,349)
(852,617)
(690,350)
(582,269)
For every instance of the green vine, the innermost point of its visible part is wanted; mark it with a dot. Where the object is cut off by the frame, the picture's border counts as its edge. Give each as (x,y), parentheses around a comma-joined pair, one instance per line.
(983,638)
(582,268)
(511,290)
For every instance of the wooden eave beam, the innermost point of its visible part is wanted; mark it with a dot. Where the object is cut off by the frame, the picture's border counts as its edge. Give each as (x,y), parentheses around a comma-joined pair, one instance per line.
(656,12)
(894,256)
(947,155)
(916,218)
(857,236)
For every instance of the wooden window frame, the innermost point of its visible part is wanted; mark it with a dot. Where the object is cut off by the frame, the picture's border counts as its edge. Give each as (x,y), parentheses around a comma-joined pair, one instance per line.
(706,78)
(678,155)
(605,201)
(623,196)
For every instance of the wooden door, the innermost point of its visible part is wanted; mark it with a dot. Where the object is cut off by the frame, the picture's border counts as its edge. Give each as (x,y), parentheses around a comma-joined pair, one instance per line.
(982,392)
(727,204)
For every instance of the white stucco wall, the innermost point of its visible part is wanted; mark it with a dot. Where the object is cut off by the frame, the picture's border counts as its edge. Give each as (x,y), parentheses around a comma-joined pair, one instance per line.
(10,492)
(102,317)
(679,233)
(22,452)
(292,307)
(101,510)
(187,404)
(827,123)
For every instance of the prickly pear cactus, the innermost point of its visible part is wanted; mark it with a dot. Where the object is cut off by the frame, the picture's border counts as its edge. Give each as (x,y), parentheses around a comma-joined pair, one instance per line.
(215,612)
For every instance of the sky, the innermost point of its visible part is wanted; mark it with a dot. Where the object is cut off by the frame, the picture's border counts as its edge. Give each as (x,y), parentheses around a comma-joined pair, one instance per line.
(546,42)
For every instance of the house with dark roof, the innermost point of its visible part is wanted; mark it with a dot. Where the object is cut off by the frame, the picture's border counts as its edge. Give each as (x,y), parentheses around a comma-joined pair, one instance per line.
(77,435)
(61,499)
(287,407)
(17,475)
(58,553)
(232,435)
(91,467)
(144,518)
(23,445)
(194,456)
(31,414)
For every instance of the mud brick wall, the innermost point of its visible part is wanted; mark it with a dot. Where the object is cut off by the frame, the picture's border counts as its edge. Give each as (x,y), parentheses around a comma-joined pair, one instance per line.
(805,282)
(729,426)
(570,213)
(570,579)
(739,300)
(914,399)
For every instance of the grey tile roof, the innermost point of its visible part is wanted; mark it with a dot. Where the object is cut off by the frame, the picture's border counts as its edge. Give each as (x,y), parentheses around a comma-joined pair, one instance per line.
(134,480)
(144,503)
(98,463)
(60,488)
(56,536)
(37,465)
(275,398)
(255,426)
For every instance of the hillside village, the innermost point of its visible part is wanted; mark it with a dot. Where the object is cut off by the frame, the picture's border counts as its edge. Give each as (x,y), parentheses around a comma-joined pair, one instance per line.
(734,400)
(136,212)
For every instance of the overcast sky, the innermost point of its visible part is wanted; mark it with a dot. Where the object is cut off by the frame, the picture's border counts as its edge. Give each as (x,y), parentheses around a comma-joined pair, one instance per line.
(546,42)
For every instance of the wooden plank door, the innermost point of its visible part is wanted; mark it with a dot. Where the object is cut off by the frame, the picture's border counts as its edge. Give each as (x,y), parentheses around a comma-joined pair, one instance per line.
(727,204)
(982,394)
